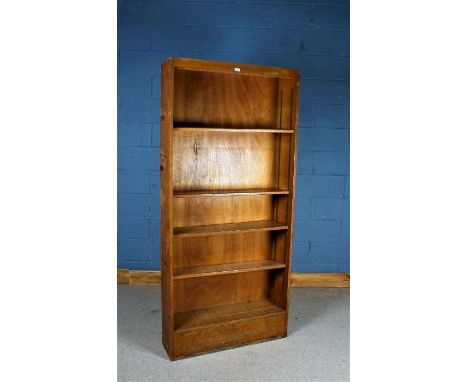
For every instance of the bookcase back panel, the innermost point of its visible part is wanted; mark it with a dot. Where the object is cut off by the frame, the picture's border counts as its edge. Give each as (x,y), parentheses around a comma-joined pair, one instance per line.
(199,293)
(223,249)
(212,161)
(219,210)
(225,100)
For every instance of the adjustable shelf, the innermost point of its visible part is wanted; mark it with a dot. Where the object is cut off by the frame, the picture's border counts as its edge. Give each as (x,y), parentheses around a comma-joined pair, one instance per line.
(232,130)
(246,192)
(223,269)
(228,151)
(231,228)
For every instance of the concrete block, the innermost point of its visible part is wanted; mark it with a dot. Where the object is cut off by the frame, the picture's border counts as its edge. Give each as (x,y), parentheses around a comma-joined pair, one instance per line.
(133,181)
(133,250)
(328,208)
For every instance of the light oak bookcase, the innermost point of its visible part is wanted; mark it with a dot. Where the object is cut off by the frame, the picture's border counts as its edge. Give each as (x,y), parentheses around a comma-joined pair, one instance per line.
(228,154)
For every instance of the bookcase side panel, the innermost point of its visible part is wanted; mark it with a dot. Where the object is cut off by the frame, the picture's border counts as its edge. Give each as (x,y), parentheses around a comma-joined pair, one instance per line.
(167,298)
(290,87)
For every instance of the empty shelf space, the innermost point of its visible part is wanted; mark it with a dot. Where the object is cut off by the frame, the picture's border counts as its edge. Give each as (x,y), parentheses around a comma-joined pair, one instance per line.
(196,319)
(220,229)
(221,269)
(232,130)
(253,191)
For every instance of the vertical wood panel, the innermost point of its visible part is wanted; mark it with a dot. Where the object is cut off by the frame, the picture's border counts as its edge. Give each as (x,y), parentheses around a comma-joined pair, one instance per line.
(167,94)
(290,86)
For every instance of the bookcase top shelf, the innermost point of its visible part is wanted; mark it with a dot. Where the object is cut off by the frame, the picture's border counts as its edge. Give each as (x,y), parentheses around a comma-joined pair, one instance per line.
(233,67)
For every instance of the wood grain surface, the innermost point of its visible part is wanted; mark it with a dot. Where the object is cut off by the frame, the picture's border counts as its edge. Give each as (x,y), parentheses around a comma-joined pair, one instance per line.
(224,269)
(217,161)
(224,100)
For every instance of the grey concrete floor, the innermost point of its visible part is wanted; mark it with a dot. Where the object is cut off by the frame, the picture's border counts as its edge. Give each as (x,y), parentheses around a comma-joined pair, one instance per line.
(316,349)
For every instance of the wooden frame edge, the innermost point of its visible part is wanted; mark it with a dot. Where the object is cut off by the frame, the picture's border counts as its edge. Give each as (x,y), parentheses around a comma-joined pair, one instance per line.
(315,280)
(227,67)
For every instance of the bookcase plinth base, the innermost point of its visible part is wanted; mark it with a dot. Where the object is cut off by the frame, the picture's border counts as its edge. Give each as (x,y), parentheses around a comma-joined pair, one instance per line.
(228,335)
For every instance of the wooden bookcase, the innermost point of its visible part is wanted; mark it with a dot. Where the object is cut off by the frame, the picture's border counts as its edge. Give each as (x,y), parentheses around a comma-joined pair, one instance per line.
(228,154)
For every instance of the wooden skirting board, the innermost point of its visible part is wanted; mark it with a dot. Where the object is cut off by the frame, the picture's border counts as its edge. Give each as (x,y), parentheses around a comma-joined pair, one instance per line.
(318,280)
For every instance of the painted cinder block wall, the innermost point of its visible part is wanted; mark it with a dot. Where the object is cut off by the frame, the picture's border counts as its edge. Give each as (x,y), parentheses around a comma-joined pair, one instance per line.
(312,36)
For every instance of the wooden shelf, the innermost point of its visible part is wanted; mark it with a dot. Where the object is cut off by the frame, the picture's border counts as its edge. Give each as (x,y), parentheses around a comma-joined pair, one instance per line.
(197,319)
(222,269)
(253,191)
(221,229)
(232,130)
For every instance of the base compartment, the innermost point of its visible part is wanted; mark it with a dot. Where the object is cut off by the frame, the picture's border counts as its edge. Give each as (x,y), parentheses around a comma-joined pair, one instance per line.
(226,326)
(222,314)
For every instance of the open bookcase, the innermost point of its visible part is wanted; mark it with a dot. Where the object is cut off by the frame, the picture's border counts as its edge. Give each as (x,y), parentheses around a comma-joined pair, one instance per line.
(228,153)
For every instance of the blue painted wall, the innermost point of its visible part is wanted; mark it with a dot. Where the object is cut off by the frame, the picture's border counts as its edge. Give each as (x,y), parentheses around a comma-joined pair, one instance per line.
(312,36)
